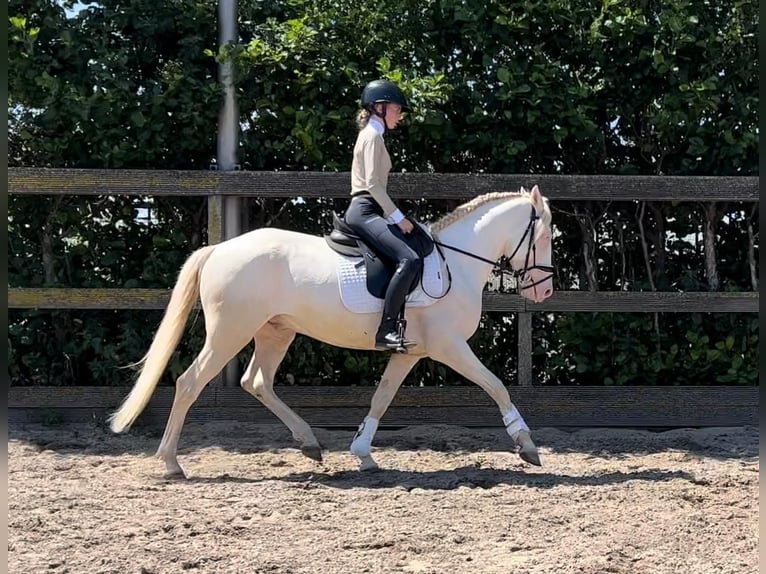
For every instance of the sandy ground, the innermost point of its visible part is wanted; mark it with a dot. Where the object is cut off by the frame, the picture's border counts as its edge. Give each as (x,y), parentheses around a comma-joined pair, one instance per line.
(447,500)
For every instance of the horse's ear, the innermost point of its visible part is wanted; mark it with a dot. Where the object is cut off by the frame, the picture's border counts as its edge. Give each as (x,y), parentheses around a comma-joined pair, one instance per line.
(523,190)
(537,197)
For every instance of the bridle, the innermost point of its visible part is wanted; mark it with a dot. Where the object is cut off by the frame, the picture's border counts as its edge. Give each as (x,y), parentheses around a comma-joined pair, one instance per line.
(516,273)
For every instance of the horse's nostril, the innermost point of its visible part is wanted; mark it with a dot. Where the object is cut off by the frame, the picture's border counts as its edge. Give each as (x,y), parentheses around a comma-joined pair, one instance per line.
(548,292)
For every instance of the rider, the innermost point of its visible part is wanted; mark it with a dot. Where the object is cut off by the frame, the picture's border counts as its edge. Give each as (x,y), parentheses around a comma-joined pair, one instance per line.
(371,213)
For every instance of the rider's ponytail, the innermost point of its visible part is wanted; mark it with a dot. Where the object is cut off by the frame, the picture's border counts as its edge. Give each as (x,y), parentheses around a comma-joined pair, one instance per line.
(362,118)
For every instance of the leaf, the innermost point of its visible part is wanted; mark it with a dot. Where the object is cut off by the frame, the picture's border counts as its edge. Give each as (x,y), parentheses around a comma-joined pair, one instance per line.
(137,118)
(697,146)
(350,363)
(384,65)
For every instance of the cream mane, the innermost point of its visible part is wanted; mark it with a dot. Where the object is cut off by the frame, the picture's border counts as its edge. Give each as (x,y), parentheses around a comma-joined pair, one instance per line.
(462,210)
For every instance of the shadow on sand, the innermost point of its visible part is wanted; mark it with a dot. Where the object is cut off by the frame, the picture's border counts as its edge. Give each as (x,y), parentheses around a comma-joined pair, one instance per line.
(466,476)
(240,438)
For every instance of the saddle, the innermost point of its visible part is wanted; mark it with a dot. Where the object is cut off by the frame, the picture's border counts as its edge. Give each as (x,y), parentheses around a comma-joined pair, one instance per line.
(380,269)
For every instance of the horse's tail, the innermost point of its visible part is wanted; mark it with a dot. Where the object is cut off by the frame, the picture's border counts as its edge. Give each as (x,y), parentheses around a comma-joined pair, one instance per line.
(152,365)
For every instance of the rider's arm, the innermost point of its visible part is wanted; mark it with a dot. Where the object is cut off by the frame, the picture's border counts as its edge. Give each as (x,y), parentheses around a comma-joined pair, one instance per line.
(377,164)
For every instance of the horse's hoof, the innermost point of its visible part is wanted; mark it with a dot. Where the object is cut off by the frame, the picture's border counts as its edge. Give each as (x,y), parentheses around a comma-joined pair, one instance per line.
(174,474)
(368,464)
(531,457)
(314,452)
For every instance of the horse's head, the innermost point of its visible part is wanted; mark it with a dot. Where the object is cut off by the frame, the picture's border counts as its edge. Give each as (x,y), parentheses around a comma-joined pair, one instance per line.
(531,253)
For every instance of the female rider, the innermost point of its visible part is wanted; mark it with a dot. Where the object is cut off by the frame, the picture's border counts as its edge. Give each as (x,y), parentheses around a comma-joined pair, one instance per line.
(371,213)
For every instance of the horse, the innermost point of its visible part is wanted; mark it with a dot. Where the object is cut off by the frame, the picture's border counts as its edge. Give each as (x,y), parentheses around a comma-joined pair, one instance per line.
(269,284)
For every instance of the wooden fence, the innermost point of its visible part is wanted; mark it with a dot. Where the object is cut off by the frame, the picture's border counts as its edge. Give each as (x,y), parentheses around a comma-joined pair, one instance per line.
(568,406)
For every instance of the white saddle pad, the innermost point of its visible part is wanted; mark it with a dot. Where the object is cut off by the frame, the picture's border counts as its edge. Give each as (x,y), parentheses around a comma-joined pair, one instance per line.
(352,282)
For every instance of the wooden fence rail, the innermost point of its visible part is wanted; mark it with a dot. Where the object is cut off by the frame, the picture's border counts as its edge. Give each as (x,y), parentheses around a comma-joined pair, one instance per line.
(466,406)
(732,406)
(40,181)
(560,301)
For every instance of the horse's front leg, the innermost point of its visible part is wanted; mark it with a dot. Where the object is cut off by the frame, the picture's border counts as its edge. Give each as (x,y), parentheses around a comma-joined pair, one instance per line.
(396,371)
(459,356)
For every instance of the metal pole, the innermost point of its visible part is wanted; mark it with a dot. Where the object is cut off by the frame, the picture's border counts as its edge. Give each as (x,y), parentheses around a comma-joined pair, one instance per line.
(228,140)
(227,129)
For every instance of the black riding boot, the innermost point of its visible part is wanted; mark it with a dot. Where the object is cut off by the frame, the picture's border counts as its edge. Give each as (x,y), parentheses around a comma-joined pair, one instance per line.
(388,336)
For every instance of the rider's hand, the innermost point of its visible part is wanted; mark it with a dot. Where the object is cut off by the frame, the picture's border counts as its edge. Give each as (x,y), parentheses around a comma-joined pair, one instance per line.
(405,225)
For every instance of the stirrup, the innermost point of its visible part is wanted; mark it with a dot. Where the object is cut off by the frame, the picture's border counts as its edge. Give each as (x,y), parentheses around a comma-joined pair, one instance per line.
(395,341)
(401,348)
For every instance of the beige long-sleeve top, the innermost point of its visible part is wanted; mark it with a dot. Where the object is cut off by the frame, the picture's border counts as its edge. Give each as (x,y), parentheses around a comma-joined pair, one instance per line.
(370,167)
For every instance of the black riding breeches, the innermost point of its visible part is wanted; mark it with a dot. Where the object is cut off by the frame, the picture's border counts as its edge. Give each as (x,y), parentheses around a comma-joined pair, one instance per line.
(365,217)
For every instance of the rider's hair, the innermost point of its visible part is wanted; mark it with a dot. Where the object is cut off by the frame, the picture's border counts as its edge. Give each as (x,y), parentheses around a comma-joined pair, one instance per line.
(362,118)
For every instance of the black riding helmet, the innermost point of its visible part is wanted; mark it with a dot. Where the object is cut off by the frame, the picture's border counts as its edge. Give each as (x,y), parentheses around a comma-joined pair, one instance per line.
(383,91)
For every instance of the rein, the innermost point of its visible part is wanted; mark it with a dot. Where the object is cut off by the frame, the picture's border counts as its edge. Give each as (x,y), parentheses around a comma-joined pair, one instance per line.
(516,273)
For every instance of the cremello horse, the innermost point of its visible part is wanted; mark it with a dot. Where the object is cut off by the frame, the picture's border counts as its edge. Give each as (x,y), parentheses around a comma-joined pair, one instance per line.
(270,284)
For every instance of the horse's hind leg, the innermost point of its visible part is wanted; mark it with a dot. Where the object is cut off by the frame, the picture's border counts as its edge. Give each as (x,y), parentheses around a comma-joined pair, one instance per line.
(271,343)
(211,359)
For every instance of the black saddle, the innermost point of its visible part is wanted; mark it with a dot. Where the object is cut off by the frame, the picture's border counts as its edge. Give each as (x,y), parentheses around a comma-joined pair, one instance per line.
(380,269)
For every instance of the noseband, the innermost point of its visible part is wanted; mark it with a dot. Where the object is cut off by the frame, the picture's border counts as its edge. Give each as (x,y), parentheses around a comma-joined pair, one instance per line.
(531,251)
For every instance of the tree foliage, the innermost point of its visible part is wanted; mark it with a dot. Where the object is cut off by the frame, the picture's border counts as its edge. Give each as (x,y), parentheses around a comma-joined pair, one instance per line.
(550,86)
